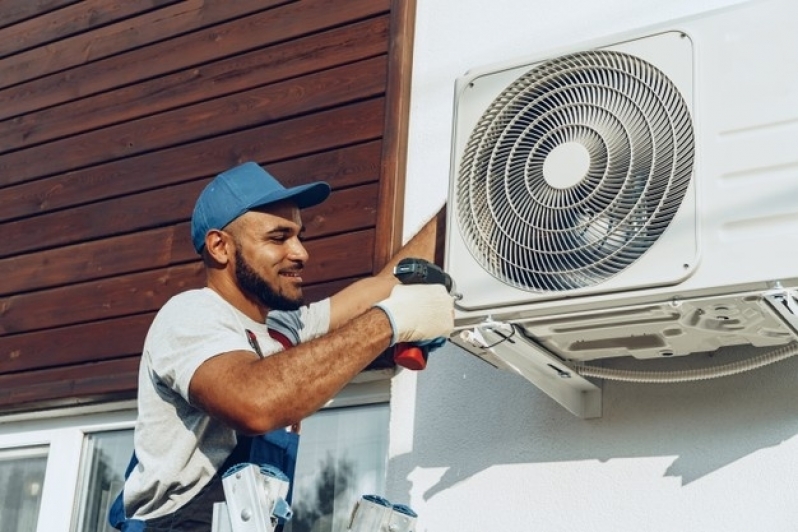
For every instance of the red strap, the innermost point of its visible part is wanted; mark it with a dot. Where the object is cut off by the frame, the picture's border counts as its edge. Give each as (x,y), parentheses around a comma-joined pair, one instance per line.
(280,337)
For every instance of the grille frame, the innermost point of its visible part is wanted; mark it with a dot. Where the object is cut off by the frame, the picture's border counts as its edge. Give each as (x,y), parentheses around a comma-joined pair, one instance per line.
(636,126)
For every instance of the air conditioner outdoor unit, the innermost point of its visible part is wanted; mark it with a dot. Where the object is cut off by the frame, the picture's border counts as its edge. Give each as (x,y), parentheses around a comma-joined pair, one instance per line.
(635,197)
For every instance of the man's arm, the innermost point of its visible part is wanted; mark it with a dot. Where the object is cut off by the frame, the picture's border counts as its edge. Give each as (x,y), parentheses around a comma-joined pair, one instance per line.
(255,395)
(362,294)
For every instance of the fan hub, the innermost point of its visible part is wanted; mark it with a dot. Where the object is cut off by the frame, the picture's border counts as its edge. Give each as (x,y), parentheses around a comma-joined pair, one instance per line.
(566,165)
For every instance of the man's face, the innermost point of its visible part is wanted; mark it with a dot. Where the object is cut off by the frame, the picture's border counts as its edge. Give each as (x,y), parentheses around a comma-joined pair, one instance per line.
(269,256)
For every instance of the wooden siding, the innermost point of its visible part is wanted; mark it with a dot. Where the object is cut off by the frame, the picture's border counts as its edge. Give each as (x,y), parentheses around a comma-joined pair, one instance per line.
(115,114)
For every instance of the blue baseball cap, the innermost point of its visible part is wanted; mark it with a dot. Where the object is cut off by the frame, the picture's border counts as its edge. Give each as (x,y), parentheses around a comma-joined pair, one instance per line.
(241,189)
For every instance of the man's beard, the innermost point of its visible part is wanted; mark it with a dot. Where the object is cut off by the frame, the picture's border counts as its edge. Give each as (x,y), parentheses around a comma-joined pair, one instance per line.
(255,286)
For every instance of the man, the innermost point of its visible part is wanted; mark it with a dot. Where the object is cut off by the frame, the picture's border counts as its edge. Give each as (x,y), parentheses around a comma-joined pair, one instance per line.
(211,370)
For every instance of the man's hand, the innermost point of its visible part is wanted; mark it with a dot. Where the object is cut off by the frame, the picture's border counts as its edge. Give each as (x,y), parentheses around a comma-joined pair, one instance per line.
(419,312)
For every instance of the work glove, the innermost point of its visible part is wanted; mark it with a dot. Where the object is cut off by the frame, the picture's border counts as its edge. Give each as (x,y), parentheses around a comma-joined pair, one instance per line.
(419,312)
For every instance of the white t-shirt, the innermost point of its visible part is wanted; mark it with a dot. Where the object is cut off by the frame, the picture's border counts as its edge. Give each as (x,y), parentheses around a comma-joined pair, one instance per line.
(178,446)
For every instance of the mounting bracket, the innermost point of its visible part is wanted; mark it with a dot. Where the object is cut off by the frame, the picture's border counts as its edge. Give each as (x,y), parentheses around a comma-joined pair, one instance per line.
(504,346)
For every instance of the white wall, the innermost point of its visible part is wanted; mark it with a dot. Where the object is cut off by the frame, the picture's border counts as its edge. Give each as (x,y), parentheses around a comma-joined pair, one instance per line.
(474,448)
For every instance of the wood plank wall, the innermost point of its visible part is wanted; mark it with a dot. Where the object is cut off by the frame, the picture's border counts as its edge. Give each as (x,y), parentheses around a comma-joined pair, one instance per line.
(115,114)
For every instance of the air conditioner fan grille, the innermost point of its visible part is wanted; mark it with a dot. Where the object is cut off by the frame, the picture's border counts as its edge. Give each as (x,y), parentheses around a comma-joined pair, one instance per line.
(539,234)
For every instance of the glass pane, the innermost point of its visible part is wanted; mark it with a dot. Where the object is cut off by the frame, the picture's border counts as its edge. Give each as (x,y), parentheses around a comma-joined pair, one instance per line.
(21,480)
(105,458)
(342,456)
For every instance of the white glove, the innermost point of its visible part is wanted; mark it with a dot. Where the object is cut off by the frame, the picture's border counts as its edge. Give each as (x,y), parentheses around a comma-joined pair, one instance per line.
(419,312)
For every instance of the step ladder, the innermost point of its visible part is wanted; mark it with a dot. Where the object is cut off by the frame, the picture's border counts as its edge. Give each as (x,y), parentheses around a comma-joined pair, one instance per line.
(255,502)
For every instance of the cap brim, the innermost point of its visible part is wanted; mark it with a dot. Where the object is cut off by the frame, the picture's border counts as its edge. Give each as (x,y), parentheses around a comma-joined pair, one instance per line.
(303,195)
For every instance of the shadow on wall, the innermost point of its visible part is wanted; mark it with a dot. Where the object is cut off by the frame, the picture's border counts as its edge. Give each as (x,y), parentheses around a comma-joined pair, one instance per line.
(471,416)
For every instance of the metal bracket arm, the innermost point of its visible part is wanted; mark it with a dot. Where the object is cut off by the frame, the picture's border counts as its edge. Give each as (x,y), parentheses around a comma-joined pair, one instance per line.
(502,341)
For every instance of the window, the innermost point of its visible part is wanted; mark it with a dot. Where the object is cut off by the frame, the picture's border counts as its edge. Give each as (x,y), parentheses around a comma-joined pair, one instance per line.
(105,457)
(21,481)
(342,456)
(50,445)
